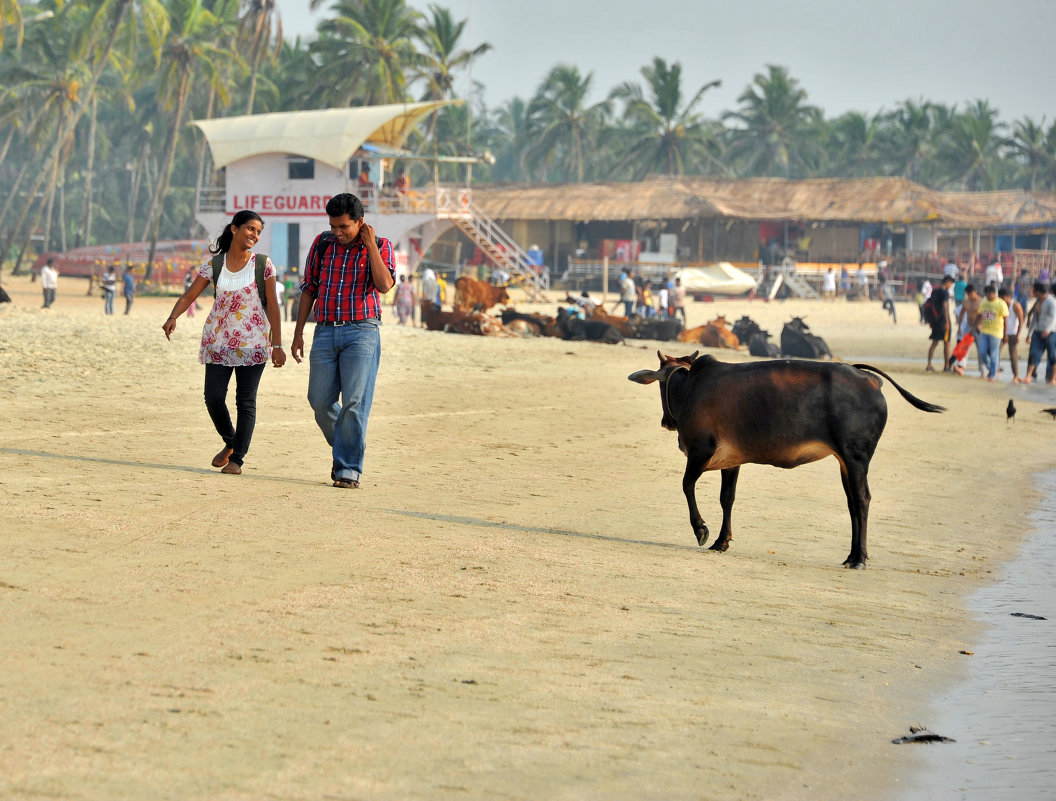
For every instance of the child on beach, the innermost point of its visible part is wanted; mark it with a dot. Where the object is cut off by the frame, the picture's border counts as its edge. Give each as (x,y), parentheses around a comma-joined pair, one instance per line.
(239,334)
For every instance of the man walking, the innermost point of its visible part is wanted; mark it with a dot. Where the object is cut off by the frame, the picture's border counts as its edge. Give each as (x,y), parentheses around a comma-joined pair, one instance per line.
(128,287)
(1043,339)
(49,282)
(344,275)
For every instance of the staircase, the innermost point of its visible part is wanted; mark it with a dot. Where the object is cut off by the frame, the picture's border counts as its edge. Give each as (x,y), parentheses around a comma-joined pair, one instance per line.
(457,206)
(797,285)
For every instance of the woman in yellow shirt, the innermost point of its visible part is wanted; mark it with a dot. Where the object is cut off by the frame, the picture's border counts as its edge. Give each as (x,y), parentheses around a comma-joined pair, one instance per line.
(990,325)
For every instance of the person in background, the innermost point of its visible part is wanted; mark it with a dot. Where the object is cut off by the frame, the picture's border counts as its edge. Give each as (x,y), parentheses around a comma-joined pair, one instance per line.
(990,325)
(887,292)
(940,329)
(1013,325)
(404,301)
(863,282)
(678,301)
(49,282)
(662,302)
(109,283)
(966,321)
(1043,336)
(628,294)
(828,285)
(128,287)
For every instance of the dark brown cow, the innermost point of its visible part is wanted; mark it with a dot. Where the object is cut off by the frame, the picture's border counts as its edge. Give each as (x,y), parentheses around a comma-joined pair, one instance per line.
(435,319)
(783,413)
(477,295)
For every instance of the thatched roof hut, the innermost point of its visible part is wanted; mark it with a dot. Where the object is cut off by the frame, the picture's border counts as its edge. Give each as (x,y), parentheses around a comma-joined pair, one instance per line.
(852,200)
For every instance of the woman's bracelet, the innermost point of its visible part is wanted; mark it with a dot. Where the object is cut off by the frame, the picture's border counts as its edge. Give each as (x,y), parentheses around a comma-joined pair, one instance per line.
(171,318)
(277,346)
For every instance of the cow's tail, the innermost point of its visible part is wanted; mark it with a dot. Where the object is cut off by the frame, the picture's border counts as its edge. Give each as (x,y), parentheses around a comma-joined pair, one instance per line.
(923,405)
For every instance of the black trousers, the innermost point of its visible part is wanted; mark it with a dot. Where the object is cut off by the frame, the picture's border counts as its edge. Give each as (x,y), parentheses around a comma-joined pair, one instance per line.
(247,379)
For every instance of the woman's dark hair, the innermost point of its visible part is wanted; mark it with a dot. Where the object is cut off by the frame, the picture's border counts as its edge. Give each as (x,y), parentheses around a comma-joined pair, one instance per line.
(223,242)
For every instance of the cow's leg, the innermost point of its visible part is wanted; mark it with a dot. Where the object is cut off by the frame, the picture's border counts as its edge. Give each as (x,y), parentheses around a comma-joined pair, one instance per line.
(695,462)
(856,485)
(726,496)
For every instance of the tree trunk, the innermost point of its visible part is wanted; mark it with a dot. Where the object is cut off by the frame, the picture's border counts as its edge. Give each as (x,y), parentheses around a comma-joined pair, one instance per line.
(156,205)
(200,177)
(84,236)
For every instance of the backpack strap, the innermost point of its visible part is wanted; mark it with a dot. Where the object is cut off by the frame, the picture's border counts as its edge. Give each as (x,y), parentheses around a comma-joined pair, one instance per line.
(262,263)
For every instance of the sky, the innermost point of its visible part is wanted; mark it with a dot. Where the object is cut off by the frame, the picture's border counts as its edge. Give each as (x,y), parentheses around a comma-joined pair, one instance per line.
(862,55)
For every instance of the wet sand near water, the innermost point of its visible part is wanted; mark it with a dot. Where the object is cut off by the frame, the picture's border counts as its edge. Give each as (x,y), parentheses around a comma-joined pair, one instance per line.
(513,606)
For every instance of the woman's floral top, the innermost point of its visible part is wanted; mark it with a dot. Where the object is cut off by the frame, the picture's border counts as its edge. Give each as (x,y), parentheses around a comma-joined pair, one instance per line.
(237,332)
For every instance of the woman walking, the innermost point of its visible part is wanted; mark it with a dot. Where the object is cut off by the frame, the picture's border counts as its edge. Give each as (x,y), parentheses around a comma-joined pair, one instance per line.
(241,332)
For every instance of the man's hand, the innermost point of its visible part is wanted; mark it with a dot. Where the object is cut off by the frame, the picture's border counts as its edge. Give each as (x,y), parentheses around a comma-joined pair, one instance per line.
(297,347)
(367,236)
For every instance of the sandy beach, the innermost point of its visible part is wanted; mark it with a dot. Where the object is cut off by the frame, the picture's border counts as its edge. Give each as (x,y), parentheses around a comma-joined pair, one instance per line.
(512,607)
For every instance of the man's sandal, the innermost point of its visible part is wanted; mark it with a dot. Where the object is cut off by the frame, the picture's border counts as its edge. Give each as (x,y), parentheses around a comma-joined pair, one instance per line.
(346,483)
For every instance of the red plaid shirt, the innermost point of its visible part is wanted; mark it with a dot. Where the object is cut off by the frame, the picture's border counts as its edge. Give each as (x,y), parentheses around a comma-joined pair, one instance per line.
(339,278)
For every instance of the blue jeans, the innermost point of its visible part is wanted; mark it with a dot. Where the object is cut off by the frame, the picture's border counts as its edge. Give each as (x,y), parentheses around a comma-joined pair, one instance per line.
(344,363)
(108,301)
(989,348)
(1039,343)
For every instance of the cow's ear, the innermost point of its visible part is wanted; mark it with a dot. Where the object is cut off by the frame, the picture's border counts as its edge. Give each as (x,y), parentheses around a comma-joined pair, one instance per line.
(644,376)
(693,356)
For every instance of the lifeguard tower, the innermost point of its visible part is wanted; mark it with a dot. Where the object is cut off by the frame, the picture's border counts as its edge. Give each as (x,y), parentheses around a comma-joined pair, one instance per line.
(286,165)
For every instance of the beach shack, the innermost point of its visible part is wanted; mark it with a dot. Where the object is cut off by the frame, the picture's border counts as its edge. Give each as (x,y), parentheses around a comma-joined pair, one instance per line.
(286,165)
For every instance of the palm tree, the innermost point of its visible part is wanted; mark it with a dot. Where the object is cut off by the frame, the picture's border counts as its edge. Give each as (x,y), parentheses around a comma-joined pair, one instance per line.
(367,49)
(1029,147)
(779,131)
(509,134)
(666,136)
(971,150)
(256,31)
(194,45)
(440,37)
(908,139)
(100,24)
(11,14)
(854,145)
(569,129)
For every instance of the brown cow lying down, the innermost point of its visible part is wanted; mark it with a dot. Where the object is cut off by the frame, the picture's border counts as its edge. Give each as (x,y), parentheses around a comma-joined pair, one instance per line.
(624,325)
(435,319)
(713,335)
(480,325)
(782,413)
(530,324)
(478,295)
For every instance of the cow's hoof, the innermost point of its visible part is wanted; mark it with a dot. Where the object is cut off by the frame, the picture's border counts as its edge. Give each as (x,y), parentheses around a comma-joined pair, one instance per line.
(854,565)
(702,533)
(720,546)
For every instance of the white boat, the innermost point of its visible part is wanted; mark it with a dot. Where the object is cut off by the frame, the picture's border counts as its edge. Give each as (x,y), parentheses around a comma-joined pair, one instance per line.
(716,279)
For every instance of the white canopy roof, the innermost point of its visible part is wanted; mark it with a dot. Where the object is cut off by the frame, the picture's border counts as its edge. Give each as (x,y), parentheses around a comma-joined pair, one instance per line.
(329,135)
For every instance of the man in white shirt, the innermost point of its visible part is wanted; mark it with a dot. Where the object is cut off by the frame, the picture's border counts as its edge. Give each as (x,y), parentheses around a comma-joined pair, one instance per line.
(994,273)
(49,282)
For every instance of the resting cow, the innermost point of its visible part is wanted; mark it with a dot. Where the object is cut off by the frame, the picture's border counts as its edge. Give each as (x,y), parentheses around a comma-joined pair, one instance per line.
(577,329)
(477,295)
(435,319)
(782,413)
(713,335)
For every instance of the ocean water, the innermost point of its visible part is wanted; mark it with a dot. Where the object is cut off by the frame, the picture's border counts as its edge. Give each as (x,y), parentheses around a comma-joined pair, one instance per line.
(1003,716)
